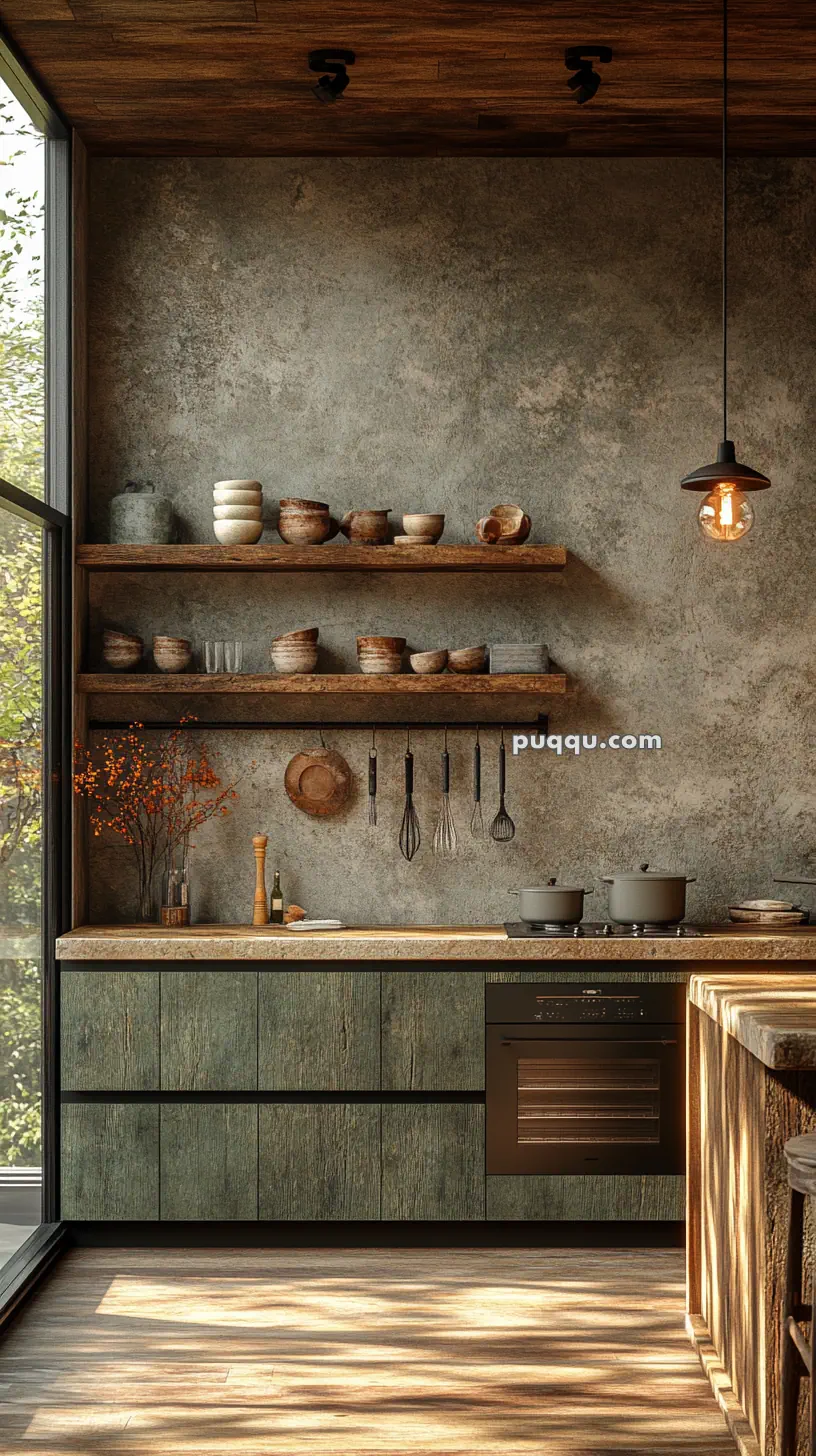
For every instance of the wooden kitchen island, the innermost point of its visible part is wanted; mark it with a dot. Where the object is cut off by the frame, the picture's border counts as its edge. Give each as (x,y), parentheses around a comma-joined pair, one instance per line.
(752,1085)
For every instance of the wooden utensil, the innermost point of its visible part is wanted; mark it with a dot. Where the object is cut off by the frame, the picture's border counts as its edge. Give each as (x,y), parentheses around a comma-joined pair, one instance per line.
(260,911)
(318,782)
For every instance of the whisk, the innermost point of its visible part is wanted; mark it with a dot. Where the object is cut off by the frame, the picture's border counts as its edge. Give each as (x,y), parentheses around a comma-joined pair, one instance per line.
(409,835)
(444,840)
(372,779)
(477,828)
(502,829)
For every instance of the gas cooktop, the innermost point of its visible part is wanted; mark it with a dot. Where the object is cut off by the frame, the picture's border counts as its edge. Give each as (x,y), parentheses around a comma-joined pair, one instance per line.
(608,930)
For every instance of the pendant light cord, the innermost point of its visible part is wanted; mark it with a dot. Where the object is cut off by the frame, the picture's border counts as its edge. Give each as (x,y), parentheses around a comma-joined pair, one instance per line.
(725,217)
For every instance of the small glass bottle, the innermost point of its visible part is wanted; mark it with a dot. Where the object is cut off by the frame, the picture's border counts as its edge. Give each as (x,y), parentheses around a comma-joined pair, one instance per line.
(175,906)
(276,901)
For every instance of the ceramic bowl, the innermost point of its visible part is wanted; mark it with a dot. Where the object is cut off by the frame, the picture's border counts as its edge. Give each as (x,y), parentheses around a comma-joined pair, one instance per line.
(381,644)
(172,654)
(389,665)
(366,528)
(306,634)
(428,662)
(305,528)
(238,513)
(238,533)
(238,497)
(293,503)
(120,650)
(467,659)
(293,657)
(415,540)
(423,523)
(238,485)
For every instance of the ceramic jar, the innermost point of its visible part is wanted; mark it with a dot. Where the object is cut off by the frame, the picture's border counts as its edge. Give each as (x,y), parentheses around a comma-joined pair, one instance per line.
(140,517)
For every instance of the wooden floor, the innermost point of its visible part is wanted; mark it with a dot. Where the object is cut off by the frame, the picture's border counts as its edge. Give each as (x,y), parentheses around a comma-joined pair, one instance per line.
(327,1353)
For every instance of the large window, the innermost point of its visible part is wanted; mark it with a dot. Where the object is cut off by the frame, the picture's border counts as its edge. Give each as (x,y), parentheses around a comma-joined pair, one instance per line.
(34,388)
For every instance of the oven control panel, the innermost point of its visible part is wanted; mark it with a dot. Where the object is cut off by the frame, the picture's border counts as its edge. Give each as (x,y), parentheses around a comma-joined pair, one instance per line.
(590,1006)
(611,1003)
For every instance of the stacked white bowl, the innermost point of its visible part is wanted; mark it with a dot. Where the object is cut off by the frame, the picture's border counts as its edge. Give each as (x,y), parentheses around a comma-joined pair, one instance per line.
(237,512)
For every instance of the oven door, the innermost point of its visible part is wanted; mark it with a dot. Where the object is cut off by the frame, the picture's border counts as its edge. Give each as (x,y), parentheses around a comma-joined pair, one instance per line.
(588,1099)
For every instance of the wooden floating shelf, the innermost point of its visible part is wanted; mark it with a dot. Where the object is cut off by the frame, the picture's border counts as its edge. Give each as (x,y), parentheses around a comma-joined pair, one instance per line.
(337,698)
(406,685)
(322,558)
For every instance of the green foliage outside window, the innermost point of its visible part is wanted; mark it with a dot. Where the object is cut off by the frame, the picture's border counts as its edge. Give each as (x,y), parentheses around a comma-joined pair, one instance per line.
(21,463)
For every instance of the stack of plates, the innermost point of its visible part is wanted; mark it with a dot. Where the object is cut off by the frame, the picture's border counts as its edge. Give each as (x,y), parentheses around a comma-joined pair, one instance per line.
(768,912)
(519,657)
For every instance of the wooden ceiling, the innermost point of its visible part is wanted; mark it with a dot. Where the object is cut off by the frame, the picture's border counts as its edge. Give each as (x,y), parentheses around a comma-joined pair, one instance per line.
(432,77)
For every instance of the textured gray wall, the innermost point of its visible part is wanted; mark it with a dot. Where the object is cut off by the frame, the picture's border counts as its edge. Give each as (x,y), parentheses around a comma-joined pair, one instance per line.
(448,334)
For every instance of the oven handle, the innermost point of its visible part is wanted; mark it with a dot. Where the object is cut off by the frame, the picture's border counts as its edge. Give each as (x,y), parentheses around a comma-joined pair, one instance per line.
(616,1041)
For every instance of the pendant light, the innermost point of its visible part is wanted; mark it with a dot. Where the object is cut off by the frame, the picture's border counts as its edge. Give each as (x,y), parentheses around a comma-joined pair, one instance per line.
(726,514)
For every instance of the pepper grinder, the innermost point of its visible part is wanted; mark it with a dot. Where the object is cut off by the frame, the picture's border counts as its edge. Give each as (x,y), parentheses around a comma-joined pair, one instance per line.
(260,913)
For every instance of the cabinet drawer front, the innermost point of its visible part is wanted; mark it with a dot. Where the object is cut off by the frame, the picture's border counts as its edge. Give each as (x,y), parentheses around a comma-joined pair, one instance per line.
(587,1197)
(109,1031)
(319,1161)
(433,1031)
(209,1031)
(110,1160)
(209,1160)
(433,1161)
(319,1031)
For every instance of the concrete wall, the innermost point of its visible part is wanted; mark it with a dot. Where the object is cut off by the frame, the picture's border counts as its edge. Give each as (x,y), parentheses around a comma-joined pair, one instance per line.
(446,335)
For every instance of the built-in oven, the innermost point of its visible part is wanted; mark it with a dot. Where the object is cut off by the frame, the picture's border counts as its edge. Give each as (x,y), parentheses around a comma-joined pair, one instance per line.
(586,1077)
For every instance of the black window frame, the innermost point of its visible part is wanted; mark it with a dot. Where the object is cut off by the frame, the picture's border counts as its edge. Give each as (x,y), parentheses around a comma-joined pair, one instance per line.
(53,515)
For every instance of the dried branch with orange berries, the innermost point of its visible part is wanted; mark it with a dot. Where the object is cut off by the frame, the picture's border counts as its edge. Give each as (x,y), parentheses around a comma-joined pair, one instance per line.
(154,795)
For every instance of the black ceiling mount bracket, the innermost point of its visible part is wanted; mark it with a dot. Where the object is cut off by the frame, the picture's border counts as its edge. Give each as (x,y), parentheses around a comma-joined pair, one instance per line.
(333,60)
(579,58)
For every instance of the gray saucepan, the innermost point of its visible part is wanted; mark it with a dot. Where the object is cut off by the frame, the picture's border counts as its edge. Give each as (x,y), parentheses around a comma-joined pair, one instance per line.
(647,897)
(551,904)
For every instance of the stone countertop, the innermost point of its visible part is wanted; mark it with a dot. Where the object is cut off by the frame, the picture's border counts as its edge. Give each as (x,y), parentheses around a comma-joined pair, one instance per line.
(431,942)
(773,1016)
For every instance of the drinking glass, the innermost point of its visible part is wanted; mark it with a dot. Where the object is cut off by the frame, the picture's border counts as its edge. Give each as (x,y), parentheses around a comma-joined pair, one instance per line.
(233,656)
(214,656)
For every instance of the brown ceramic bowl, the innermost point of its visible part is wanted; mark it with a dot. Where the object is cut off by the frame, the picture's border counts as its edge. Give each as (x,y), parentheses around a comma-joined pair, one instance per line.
(121,650)
(428,662)
(380,644)
(291,503)
(467,659)
(293,657)
(172,654)
(507,525)
(387,666)
(424,523)
(307,634)
(305,528)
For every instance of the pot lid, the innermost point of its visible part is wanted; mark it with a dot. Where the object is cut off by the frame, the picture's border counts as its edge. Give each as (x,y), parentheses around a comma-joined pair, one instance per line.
(645,873)
(551,887)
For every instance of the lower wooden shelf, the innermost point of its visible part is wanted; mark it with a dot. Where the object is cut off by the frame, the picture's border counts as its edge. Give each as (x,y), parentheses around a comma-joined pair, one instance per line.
(348,697)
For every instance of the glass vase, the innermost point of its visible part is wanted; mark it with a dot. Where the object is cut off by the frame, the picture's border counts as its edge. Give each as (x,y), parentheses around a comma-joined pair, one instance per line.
(175,901)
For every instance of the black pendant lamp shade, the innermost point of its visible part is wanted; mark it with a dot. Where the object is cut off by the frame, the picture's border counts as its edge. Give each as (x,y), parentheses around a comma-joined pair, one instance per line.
(726,471)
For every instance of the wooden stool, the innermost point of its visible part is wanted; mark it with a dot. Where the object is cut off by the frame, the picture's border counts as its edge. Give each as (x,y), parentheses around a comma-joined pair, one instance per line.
(796,1354)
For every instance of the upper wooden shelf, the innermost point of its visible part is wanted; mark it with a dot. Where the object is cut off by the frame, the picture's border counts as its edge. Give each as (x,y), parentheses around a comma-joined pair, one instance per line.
(322,558)
(407,684)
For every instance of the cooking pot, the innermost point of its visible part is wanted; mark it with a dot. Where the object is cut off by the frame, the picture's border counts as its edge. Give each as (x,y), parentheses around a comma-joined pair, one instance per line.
(551,904)
(647,897)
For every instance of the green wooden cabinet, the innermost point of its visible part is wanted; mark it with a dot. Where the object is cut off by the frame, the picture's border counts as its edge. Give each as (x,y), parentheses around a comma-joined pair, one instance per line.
(319,1161)
(433,1161)
(209,1031)
(433,1030)
(109,1030)
(319,1031)
(209,1160)
(591,1197)
(110,1160)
